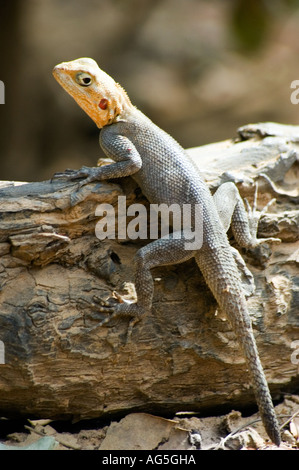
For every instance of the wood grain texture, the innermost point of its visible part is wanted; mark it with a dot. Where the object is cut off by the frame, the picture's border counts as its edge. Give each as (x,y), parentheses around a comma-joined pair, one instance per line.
(184,356)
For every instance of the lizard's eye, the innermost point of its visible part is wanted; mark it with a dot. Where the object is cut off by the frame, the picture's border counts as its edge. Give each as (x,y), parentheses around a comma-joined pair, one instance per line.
(84,79)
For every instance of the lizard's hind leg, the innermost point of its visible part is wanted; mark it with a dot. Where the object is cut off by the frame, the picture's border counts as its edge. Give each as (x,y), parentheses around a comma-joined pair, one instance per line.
(227,199)
(244,224)
(232,212)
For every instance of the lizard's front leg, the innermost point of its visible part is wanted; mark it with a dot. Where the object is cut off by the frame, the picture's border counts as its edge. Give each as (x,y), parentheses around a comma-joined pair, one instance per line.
(124,153)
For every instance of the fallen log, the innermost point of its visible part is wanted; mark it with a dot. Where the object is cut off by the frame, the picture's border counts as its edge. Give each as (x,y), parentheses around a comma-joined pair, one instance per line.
(57,362)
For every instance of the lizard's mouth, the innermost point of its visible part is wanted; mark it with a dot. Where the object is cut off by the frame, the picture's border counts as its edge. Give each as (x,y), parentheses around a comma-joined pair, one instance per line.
(62,77)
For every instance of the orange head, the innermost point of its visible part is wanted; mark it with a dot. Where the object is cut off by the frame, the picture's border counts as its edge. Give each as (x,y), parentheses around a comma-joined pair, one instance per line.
(95,91)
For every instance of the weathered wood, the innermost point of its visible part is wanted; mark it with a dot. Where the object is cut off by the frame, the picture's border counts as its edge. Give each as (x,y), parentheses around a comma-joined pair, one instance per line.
(59,363)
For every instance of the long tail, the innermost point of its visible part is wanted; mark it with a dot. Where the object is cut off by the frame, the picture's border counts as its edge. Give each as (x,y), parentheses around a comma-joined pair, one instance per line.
(222,276)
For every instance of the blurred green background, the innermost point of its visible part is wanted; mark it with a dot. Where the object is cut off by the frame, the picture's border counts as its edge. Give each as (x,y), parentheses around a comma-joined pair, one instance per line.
(198,68)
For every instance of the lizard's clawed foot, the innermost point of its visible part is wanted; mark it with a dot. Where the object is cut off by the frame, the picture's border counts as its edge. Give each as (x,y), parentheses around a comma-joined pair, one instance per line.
(123,309)
(254,217)
(87,174)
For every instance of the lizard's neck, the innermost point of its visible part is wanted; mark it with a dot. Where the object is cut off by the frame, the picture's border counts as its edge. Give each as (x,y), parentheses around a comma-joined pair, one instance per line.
(123,105)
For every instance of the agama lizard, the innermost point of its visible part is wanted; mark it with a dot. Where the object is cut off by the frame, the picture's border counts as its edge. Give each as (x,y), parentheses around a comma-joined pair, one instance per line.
(165,174)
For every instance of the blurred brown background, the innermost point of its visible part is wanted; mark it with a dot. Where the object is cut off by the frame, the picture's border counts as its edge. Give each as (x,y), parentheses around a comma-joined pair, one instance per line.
(198,68)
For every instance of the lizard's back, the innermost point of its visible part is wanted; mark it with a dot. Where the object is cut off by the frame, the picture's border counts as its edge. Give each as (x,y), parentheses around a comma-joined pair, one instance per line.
(167,174)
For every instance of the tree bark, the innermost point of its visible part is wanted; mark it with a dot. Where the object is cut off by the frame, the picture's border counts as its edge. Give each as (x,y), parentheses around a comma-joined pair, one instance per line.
(57,361)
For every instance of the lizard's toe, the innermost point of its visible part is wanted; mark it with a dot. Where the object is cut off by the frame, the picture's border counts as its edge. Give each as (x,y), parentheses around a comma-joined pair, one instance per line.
(274,241)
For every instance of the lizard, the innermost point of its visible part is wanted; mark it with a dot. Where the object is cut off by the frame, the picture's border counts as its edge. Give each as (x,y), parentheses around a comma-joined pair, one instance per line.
(166,174)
